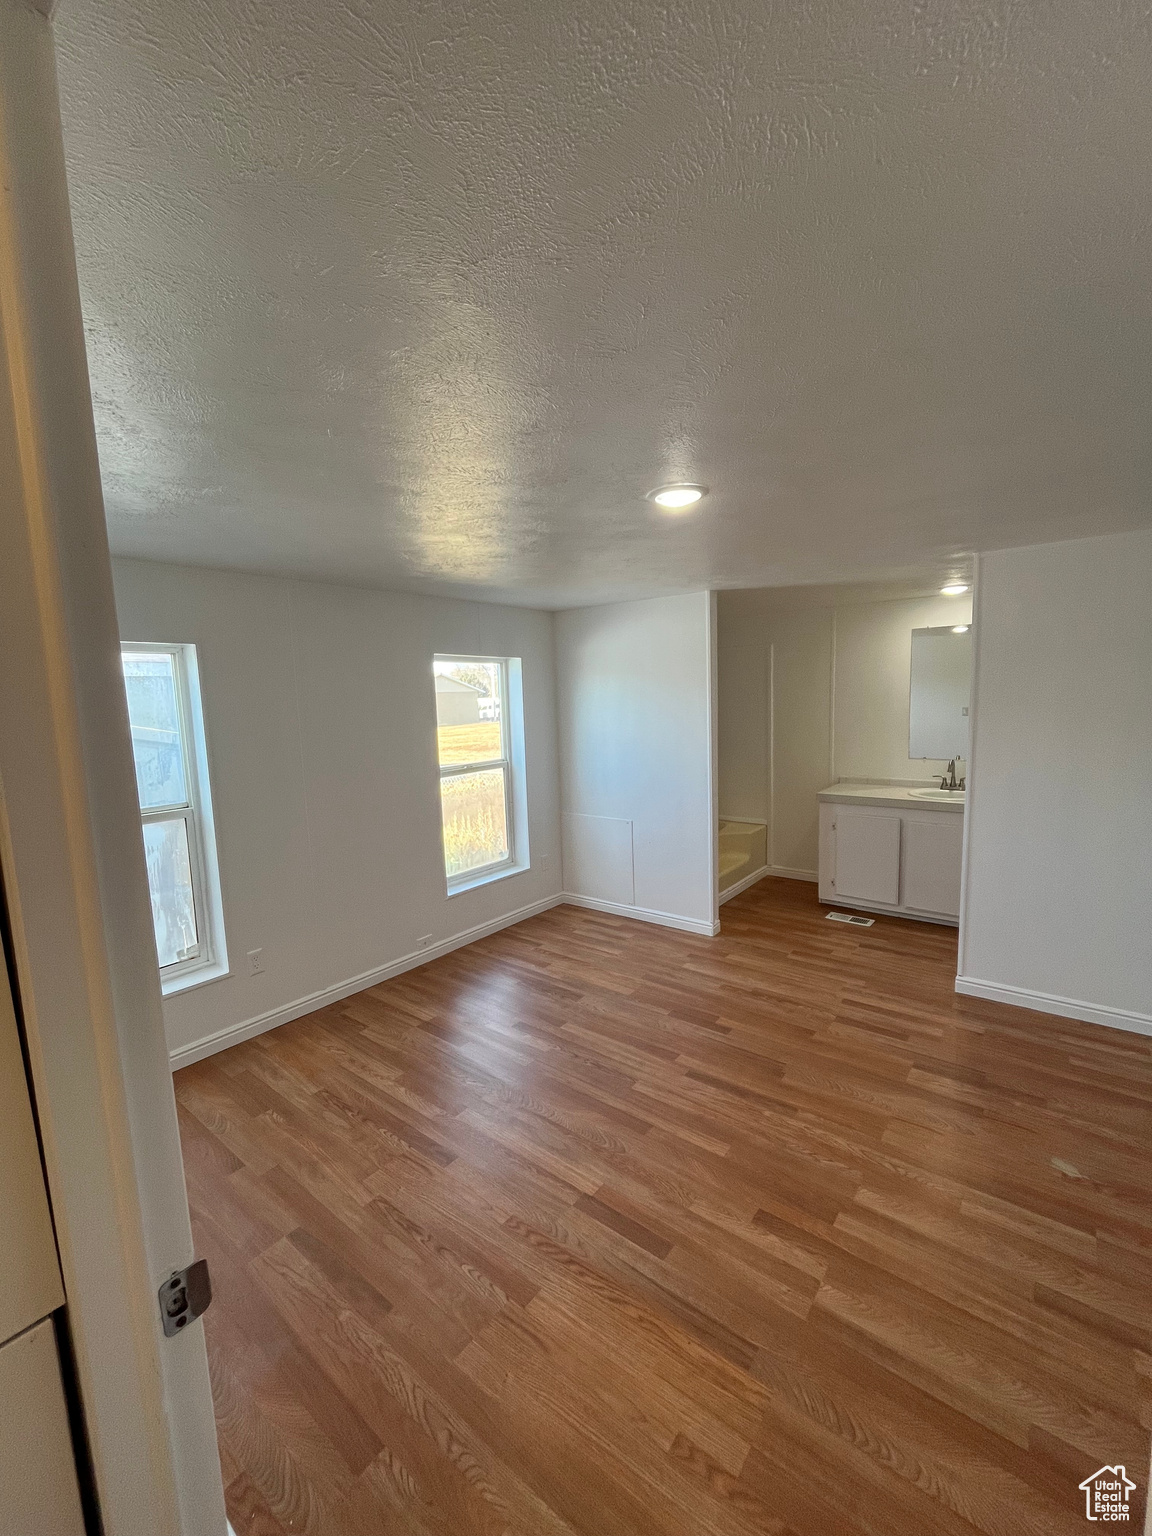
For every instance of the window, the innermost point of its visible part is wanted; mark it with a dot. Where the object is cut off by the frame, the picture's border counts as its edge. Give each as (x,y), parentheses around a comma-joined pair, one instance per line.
(162,685)
(478,756)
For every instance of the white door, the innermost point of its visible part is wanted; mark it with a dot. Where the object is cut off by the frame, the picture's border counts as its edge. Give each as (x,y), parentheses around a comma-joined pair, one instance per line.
(30,1284)
(73,871)
(932,857)
(38,1485)
(39,1495)
(867,856)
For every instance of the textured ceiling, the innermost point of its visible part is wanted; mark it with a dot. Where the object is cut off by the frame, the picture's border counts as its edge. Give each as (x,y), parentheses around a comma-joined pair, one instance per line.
(429,293)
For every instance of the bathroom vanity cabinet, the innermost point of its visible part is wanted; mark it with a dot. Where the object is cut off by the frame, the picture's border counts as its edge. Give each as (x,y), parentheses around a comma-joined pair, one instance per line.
(884,848)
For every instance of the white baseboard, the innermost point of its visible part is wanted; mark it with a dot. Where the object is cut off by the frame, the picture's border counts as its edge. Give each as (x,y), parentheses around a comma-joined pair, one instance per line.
(742,885)
(1065,1007)
(247,1029)
(775,871)
(643,914)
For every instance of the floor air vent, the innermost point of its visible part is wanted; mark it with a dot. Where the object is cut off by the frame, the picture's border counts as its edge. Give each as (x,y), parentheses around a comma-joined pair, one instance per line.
(849,917)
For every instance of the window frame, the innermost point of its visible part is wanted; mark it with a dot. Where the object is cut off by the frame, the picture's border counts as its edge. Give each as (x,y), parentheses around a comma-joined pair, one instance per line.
(210,960)
(481,873)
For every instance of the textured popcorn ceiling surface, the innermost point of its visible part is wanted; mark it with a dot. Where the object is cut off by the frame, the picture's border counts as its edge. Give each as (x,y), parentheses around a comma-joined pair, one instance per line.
(429,293)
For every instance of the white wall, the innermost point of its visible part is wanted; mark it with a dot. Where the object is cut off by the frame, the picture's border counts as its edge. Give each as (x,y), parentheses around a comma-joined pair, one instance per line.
(813,686)
(635,704)
(320,719)
(1058,885)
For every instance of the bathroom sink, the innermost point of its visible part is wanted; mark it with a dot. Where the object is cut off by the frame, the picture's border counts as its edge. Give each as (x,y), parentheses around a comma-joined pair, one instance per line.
(938,794)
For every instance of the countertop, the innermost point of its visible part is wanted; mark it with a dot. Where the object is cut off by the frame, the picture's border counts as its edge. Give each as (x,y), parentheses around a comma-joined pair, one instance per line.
(900,795)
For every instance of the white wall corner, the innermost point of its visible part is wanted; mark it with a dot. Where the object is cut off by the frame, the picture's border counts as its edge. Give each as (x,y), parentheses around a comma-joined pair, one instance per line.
(636,701)
(713,760)
(1056,897)
(1063,1007)
(970,779)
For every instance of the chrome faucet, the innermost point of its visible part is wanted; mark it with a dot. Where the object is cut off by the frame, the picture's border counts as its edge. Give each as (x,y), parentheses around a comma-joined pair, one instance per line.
(950,781)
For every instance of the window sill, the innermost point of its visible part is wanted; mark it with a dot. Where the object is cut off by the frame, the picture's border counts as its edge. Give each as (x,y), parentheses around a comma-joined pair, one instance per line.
(197,978)
(487,877)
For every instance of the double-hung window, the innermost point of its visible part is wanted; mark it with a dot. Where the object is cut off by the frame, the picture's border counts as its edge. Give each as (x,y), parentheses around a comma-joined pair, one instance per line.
(478,755)
(162,685)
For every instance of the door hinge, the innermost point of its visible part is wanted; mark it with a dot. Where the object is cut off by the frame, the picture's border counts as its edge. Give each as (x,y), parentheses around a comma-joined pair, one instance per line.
(185,1296)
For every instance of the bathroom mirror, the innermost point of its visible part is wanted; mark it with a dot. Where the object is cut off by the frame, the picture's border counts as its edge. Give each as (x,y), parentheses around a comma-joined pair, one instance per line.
(941,683)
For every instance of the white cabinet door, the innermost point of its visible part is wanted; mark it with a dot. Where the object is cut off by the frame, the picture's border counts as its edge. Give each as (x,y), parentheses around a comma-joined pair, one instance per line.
(932,857)
(30,1284)
(867,856)
(39,1495)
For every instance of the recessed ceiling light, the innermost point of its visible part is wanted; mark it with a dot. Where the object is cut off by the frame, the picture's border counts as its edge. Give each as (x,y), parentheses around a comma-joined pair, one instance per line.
(953,589)
(960,629)
(675,498)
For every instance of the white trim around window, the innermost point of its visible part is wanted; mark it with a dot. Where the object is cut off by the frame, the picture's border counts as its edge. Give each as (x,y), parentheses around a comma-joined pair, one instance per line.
(509,764)
(174,791)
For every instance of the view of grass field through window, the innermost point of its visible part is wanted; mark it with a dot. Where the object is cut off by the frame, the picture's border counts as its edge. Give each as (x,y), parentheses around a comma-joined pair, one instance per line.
(469,743)
(470,731)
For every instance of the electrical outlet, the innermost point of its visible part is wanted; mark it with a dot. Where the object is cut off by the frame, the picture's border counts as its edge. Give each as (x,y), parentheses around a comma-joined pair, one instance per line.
(423,941)
(255,962)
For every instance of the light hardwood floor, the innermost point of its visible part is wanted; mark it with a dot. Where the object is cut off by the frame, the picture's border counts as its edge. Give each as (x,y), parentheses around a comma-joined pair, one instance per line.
(598,1228)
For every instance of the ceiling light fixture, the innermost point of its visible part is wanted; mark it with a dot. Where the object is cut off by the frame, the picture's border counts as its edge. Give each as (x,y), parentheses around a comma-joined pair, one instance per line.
(678,497)
(953,589)
(960,629)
